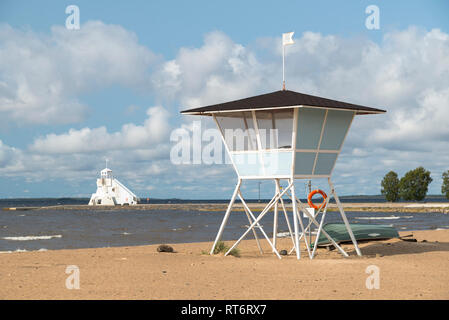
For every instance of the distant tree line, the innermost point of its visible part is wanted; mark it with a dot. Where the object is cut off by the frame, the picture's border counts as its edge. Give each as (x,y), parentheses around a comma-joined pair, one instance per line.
(413,186)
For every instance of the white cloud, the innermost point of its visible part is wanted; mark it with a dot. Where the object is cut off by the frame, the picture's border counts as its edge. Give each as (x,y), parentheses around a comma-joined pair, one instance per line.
(42,76)
(154,130)
(218,71)
(407,73)
(10,159)
(426,122)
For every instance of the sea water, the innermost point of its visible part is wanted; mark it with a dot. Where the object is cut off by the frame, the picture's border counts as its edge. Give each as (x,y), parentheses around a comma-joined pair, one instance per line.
(49,229)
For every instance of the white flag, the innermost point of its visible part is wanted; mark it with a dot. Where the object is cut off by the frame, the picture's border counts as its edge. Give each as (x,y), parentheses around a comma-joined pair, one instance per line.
(287,38)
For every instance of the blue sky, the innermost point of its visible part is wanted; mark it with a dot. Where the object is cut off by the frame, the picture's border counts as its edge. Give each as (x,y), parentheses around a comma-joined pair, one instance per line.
(167,26)
(159,33)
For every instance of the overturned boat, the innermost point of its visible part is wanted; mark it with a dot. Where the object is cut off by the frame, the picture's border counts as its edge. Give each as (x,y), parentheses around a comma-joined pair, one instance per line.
(362,232)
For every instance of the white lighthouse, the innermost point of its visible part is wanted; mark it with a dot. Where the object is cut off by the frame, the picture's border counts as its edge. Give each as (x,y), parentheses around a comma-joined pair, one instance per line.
(111,192)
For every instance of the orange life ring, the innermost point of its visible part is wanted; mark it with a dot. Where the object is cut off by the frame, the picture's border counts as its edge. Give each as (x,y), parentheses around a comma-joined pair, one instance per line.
(311,194)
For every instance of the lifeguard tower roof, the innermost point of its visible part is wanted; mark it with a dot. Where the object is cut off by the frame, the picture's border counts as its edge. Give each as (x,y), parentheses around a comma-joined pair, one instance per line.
(281,99)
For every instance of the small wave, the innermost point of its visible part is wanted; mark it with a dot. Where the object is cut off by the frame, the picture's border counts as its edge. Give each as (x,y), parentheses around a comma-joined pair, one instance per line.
(125,233)
(18,250)
(378,218)
(28,238)
(283,234)
(23,250)
(287,234)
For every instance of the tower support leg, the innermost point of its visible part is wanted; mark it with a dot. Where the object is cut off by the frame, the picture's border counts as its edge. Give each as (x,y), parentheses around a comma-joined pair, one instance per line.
(313,220)
(286,215)
(275,218)
(226,216)
(256,222)
(251,218)
(295,221)
(343,216)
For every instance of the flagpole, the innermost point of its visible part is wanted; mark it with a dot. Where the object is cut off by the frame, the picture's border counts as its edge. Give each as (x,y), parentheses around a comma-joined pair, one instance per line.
(286,39)
(283,66)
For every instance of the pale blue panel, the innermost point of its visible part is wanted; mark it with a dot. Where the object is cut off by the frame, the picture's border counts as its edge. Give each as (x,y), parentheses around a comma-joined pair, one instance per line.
(337,124)
(304,162)
(248,164)
(278,163)
(325,163)
(310,122)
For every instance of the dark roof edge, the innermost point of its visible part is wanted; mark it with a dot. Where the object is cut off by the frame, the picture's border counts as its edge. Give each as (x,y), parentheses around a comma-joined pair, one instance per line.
(211,112)
(281,99)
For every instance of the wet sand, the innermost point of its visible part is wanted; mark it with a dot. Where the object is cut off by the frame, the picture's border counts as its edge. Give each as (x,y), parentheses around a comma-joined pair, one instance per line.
(408,270)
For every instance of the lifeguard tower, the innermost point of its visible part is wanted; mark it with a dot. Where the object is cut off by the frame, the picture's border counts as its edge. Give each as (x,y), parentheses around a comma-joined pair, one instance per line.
(284,135)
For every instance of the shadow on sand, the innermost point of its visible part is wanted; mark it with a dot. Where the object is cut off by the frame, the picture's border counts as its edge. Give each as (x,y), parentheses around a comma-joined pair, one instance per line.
(398,247)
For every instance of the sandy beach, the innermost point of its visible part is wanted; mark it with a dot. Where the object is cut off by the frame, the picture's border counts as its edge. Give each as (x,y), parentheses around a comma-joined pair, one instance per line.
(408,270)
